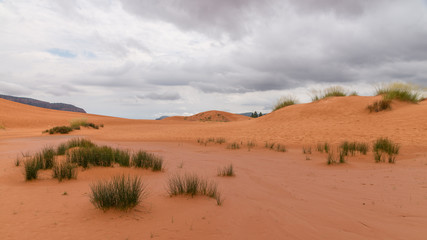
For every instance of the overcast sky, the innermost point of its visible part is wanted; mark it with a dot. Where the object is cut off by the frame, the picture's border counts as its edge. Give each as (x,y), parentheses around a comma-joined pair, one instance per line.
(148,58)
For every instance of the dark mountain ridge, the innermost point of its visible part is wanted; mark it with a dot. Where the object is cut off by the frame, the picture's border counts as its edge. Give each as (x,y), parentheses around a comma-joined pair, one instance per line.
(43,104)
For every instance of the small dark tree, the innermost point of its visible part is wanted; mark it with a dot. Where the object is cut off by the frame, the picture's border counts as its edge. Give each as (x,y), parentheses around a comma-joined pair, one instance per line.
(255,114)
(260,114)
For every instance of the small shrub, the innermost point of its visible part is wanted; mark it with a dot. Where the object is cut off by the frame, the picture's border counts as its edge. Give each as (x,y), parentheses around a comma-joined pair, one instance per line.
(353,147)
(192,184)
(284,102)
(306,150)
(60,129)
(2,127)
(65,170)
(381,105)
(17,162)
(226,171)
(280,148)
(96,156)
(400,91)
(233,145)
(120,192)
(80,142)
(331,159)
(31,167)
(250,144)
(142,159)
(121,157)
(220,140)
(334,91)
(61,149)
(77,123)
(385,146)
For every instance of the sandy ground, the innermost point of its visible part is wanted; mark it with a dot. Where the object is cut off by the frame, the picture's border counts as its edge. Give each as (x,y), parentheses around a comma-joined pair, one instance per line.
(274,195)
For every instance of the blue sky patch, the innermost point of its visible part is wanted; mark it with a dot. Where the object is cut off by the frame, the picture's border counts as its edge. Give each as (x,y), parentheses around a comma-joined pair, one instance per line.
(61,53)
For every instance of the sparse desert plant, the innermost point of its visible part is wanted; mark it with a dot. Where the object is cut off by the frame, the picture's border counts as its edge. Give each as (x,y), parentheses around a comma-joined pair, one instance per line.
(2,127)
(400,91)
(192,184)
(227,171)
(306,150)
(353,147)
(59,129)
(220,140)
(354,93)
(334,91)
(77,123)
(64,170)
(96,156)
(342,156)
(80,142)
(61,149)
(275,146)
(120,192)
(284,102)
(17,162)
(31,167)
(233,145)
(250,144)
(380,105)
(331,159)
(384,146)
(142,159)
(121,157)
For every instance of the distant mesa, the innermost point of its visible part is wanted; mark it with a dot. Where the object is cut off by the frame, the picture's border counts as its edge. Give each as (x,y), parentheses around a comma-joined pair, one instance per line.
(43,104)
(211,116)
(162,117)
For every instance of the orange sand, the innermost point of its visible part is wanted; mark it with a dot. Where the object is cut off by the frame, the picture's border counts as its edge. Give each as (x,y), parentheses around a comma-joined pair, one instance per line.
(273,195)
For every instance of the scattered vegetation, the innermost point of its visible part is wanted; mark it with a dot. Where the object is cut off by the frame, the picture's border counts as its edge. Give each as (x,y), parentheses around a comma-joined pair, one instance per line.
(353,147)
(383,147)
(31,167)
(275,146)
(2,127)
(142,159)
(380,105)
(284,102)
(226,171)
(120,192)
(250,145)
(323,147)
(233,145)
(334,91)
(74,125)
(59,129)
(192,184)
(65,170)
(400,91)
(306,150)
(336,158)
(205,142)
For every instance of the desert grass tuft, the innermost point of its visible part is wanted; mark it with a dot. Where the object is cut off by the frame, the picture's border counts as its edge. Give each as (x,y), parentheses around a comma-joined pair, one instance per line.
(121,157)
(284,102)
(65,170)
(59,129)
(142,159)
(384,146)
(334,91)
(233,145)
(381,105)
(400,91)
(192,184)
(220,140)
(31,167)
(353,147)
(306,150)
(96,156)
(120,192)
(227,171)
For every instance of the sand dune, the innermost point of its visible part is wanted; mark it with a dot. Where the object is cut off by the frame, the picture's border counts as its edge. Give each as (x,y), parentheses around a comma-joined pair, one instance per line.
(273,195)
(211,116)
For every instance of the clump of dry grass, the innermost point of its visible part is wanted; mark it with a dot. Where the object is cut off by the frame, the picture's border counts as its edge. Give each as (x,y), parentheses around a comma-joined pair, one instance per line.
(284,102)
(334,91)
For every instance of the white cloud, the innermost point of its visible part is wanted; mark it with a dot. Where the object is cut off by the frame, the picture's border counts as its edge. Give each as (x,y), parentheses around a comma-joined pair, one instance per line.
(131,58)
